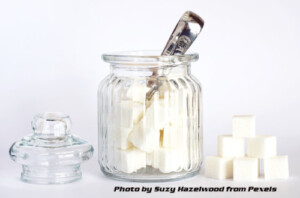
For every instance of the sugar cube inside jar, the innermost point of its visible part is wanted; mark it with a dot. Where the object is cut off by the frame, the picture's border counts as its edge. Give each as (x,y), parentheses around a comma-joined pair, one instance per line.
(149,137)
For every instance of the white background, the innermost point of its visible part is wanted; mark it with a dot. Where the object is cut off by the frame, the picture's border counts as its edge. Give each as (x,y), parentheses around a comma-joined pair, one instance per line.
(50,60)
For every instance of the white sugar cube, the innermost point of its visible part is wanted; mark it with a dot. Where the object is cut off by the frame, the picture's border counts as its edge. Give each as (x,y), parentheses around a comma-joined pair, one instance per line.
(167,160)
(127,113)
(130,160)
(144,137)
(156,115)
(243,126)
(276,167)
(245,169)
(137,92)
(121,137)
(218,167)
(229,146)
(174,136)
(262,146)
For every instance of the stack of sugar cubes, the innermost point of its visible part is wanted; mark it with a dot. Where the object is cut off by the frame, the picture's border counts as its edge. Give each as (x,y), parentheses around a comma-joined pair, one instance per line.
(232,162)
(152,135)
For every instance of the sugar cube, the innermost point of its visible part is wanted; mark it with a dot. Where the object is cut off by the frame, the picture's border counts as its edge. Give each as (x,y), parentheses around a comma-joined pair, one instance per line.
(243,126)
(121,137)
(130,160)
(245,169)
(174,136)
(167,160)
(137,92)
(229,146)
(262,146)
(276,167)
(156,115)
(218,167)
(144,137)
(127,113)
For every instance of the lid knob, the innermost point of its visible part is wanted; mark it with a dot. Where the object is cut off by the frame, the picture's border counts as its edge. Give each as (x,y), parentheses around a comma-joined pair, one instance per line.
(51,125)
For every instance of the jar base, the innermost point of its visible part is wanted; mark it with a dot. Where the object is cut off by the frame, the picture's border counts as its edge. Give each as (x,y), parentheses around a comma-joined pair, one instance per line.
(46,175)
(148,178)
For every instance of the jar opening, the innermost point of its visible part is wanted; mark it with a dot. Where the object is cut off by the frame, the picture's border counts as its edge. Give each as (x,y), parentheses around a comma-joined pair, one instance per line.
(148,58)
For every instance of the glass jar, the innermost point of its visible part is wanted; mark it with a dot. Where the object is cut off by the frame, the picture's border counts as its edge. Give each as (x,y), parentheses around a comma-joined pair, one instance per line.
(149,113)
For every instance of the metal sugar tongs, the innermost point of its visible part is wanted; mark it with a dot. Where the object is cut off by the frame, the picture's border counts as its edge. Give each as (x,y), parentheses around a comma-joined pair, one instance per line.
(182,37)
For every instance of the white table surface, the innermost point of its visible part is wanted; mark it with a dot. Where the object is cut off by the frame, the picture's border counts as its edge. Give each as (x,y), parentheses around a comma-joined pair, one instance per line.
(95,184)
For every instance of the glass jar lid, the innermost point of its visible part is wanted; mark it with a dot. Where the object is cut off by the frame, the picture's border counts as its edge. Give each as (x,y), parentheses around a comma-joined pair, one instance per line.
(51,154)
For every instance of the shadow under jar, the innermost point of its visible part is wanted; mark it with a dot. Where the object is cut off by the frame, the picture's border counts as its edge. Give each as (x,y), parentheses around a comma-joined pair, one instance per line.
(156,138)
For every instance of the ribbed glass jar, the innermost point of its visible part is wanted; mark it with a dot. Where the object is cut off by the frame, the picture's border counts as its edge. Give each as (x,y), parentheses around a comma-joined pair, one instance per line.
(149,111)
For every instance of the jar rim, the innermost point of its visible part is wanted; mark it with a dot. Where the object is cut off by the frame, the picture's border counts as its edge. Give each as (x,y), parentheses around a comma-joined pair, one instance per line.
(148,58)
